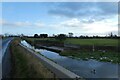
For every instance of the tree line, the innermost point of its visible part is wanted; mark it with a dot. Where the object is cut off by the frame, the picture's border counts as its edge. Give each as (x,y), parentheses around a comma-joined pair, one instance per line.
(40,36)
(70,35)
(64,36)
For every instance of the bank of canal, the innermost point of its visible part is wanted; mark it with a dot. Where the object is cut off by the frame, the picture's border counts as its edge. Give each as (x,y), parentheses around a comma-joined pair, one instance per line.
(81,67)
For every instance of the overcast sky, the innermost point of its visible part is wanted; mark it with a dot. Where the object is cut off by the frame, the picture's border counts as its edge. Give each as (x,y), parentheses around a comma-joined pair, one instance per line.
(80,18)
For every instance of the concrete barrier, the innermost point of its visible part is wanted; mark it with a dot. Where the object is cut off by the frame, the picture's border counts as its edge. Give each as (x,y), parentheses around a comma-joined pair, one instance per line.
(58,70)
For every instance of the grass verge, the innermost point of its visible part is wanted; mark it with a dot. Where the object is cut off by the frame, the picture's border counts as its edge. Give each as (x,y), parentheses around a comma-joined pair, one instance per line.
(25,65)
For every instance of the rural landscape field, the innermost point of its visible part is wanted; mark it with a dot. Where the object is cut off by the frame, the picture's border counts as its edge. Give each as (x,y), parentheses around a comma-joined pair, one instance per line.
(60,41)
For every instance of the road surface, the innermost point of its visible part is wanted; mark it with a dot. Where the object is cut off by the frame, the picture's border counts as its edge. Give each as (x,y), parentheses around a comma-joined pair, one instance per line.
(5,63)
(0,58)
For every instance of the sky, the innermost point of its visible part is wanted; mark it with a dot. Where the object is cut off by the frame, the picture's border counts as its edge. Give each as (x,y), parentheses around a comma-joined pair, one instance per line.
(80,18)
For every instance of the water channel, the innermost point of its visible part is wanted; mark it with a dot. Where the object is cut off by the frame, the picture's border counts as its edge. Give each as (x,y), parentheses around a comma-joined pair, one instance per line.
(81,67)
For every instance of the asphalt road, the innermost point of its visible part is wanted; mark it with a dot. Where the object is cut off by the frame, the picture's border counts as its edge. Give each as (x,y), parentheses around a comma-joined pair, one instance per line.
(0,58)
(5,57)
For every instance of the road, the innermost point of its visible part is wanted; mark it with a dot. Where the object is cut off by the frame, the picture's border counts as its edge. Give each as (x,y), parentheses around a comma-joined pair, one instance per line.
(0,58)
(5,57)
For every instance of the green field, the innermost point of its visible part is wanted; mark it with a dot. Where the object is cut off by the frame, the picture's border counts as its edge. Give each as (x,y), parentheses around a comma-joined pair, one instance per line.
(101,42)
(33,39)
(108,42)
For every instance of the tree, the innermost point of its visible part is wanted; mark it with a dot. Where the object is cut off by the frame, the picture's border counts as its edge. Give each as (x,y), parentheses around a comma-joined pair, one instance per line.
(115,36)
(22,35)
(111,34)
(53,35)
(43,35)
(70,34)
(36,36)
(61,37)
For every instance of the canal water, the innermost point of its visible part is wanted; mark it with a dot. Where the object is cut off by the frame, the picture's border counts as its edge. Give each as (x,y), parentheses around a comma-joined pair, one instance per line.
(81,67)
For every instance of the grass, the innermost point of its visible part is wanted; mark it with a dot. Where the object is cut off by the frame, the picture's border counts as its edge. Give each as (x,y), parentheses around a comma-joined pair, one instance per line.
(24,65)
(100,42)
(33,39)
(100,56)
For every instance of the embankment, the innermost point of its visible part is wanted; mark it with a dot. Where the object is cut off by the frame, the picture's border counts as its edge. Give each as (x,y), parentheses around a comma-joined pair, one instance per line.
(25,65)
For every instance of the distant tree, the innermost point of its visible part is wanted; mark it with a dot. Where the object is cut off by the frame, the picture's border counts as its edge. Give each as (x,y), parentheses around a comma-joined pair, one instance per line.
(6,34)
(111,34)
(36,36)
(76,37)
(43,35)
(95,36)
(81,36)
(86,36)
(70,34)
(21,35)
(115,36)
(53,35)
(61,37)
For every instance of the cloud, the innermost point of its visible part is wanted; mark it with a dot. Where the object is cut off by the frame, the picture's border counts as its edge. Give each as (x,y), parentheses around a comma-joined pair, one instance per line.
(75,25)
(16,24)
(21,24)
(39,24)
(100,27)
(88,21)
(71,23)
(2,21)
(86,10)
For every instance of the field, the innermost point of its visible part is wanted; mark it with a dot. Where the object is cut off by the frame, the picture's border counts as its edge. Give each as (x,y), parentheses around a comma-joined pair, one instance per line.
(98,42)
(101,42)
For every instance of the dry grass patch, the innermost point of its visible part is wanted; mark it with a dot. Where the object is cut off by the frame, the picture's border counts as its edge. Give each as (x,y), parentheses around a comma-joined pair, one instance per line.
(25,65)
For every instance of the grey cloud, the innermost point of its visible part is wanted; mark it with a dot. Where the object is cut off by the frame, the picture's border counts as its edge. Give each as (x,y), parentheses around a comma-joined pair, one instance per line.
(88,21)
(21,24)
(92,10)
(109,8)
